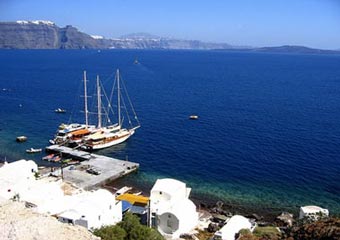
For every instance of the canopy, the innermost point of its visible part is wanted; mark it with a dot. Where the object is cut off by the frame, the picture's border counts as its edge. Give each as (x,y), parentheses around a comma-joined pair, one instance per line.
(133,199)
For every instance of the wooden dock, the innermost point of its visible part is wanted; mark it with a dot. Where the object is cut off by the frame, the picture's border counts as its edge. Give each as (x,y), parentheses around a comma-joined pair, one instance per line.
(110,168)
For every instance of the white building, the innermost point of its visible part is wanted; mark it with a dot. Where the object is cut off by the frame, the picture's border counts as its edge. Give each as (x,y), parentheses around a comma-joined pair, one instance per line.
(92,209)
(89,209)
(233,226)
(171,210)
(15,176)
(313,212)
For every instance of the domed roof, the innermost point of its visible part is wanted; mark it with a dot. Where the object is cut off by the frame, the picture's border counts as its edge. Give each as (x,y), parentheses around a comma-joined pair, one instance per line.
(169,185)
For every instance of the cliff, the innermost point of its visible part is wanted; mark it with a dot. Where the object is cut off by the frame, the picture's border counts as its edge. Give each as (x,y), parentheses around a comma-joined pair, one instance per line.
(43,35)
(47,35)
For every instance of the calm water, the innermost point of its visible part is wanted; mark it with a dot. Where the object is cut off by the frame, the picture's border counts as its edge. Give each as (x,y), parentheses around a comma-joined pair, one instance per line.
(269,127)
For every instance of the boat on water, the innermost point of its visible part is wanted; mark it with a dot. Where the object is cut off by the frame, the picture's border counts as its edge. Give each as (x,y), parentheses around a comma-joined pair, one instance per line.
(48,157)
(72,133)
(193,117)
(56,159)
(21,139)
(107,136)
(65,132)
(60,110)
(33,150)
(52,158)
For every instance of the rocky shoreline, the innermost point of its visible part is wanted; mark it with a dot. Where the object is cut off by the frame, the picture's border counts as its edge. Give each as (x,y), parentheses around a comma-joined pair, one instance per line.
(207,202)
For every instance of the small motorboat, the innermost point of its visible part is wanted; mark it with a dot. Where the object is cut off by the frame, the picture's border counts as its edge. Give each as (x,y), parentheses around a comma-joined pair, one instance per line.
(21,139)
(48,157)
(193,117)
(60,110)
(33,150)
(56,159)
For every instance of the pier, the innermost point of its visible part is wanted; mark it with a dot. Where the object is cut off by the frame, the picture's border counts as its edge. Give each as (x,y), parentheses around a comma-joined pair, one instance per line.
(109,168)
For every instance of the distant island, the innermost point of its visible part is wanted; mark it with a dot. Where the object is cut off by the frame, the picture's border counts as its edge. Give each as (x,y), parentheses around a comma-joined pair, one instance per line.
(47,35)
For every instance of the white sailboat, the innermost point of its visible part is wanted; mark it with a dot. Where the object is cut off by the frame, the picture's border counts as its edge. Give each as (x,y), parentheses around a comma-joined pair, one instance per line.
(107,136)
(73,132)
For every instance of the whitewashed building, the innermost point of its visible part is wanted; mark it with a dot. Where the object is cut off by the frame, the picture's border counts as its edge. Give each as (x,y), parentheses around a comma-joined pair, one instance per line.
(89,209)
(233,226)
(92,209)
(171,210)
(15,176)
(313,212)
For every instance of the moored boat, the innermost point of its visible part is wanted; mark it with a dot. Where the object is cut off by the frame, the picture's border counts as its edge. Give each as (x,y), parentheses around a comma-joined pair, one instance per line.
(107,136)
(60,110)
(48,157)
(33,150)
(56,159)
(193,117)
(65,132)
(21,139)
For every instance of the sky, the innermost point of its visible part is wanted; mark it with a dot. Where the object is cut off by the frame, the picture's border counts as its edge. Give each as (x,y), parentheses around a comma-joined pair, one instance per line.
(258,23)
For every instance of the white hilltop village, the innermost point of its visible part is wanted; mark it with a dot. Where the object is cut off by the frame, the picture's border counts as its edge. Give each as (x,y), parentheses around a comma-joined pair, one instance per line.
(37,22)
(34,206)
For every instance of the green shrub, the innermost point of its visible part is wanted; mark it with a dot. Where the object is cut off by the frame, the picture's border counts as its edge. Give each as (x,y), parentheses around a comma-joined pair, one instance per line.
(128,229)
(111,233)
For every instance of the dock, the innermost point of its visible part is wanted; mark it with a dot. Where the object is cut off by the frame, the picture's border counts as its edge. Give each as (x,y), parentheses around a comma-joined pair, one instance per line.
(110,168)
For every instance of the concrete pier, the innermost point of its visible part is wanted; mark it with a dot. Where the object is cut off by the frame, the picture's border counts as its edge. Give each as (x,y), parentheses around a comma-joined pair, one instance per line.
(110,168)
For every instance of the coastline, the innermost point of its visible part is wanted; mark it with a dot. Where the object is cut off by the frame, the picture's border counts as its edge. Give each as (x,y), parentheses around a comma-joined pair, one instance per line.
(205,201)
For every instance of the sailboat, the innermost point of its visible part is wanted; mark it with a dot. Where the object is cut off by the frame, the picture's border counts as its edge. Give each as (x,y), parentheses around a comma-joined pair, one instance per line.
(73,132)
(107,136)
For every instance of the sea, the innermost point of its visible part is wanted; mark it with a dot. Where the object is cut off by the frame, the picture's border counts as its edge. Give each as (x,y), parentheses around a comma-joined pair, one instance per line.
(267,136)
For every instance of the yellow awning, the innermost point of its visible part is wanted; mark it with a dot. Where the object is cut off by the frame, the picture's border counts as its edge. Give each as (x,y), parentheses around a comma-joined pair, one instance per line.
(131,198)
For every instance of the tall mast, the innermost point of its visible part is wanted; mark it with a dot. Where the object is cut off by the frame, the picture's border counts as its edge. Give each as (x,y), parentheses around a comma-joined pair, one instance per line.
(99,102)
(85,101)
(118,100)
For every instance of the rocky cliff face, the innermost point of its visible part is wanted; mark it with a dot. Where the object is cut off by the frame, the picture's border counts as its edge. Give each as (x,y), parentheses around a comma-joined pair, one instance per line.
(70,38)
(28,35)
(47,35)
(43,35)
(164,43)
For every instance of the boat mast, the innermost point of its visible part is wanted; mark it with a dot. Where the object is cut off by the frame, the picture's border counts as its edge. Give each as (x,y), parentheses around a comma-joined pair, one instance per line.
(118,100)
(99,104)
(85,102)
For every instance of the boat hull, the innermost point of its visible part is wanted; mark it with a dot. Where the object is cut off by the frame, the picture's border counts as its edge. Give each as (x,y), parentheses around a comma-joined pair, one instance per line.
(108,143)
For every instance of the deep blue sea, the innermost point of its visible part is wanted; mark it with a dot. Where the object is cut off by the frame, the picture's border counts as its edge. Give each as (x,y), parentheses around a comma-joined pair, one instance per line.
(268,132)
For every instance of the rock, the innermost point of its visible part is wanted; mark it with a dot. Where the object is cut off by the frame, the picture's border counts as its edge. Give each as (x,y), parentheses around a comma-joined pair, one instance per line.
(18,222)
(285,219)
(44,35)
(47,35)
(213,227)
(323,229)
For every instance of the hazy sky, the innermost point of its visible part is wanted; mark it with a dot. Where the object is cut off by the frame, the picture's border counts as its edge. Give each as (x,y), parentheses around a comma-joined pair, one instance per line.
(313,23)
